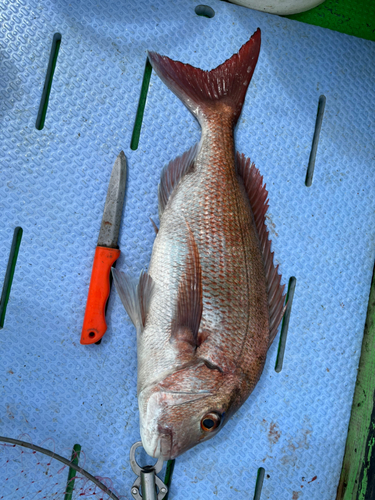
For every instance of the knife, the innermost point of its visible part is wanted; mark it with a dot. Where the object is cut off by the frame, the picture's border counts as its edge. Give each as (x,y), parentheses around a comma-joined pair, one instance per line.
(106,253)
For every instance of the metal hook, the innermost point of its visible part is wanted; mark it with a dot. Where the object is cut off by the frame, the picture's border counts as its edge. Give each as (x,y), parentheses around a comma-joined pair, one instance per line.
(147,478)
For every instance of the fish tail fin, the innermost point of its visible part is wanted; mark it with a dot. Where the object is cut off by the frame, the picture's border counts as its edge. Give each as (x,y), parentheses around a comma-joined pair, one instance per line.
(222,89)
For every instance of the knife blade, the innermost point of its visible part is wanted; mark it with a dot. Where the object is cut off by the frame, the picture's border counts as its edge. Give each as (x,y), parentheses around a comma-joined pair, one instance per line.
(106,253)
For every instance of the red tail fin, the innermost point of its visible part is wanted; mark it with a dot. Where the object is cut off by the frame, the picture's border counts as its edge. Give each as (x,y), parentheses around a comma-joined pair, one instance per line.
(202,91)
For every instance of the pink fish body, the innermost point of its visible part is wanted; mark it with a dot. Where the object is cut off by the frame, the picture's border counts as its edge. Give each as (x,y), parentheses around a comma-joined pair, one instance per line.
(210,305)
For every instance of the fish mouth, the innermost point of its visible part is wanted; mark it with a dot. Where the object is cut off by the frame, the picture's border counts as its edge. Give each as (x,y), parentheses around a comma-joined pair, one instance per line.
(161,447)
(165,444)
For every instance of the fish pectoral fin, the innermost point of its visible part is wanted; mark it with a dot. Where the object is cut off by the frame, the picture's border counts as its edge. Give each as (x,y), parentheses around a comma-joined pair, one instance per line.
(183,341)
(184,334)
(172,174)
(258,194)
(188,314)
(134,296)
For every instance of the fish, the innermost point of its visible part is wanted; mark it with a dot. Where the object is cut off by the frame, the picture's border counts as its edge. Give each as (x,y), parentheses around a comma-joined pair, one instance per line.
(209,306)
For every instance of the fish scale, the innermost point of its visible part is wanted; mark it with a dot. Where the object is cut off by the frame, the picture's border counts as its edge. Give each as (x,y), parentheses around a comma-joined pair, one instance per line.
(212,231)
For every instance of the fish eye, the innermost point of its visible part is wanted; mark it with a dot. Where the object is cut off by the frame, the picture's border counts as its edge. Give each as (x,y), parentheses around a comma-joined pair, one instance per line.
(210,422)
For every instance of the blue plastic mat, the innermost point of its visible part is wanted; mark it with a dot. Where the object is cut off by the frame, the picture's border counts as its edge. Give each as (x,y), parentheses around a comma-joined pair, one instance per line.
(53,184)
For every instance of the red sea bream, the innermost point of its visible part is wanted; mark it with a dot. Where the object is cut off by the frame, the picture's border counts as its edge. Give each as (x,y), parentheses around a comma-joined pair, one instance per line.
(210,304)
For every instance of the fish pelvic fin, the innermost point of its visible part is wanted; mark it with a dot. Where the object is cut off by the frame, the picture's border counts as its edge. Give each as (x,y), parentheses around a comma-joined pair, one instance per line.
(156,229)
(222,89)
(135,296)
(258,197)
(172,174)
(188,313)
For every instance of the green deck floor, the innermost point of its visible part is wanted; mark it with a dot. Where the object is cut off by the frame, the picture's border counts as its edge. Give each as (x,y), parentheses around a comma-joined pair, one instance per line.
(352,17)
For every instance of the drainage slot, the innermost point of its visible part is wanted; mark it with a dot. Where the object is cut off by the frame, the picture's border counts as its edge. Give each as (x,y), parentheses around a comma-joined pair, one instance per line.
(315,141)
(56,42)
(259,483)
(17,236)
(205,11)
(141,106)
(285,324)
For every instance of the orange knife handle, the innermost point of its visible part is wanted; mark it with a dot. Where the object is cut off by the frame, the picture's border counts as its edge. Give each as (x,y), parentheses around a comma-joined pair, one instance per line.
(94,324)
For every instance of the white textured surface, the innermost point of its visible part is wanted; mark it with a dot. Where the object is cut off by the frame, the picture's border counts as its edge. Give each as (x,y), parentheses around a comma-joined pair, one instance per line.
(280,7)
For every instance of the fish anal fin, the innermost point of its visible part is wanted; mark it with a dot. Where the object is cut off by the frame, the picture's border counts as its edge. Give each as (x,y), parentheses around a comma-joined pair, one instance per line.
(258,198)
(172,174)
(185,324)
(134,296)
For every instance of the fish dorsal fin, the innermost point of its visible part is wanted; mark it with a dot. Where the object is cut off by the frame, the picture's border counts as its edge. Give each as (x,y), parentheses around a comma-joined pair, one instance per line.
(185,324)
(135,296)
(258,195)
(172,174)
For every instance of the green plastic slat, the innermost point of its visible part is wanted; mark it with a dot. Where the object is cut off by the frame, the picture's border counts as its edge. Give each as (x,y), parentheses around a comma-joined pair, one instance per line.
(168,476)
(357,475)
(72,472)
(8,280)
